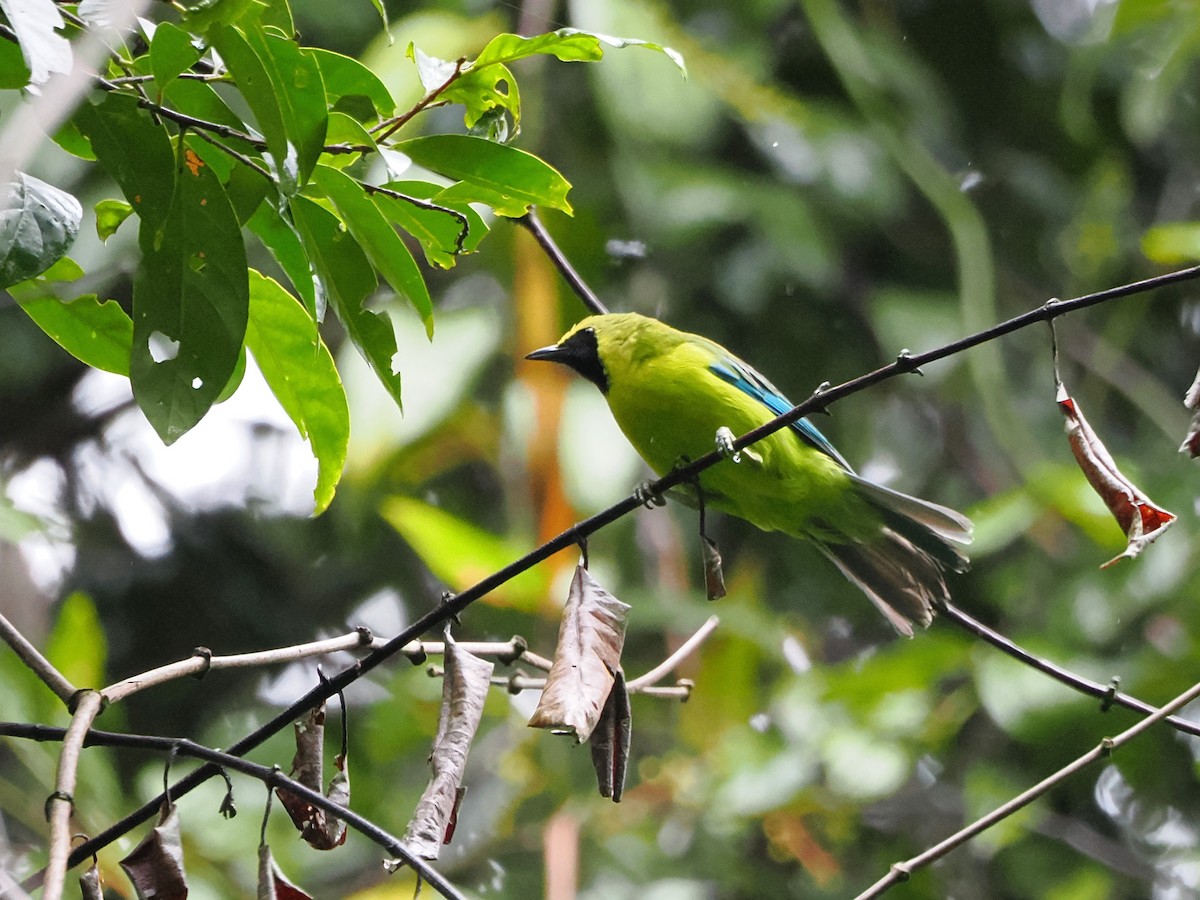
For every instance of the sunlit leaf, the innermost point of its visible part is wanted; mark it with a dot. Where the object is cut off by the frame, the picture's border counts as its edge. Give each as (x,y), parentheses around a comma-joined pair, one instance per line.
(109,216)
(610,741)
(347,80)
(37,23)
(505,178)
(281,238)
(156,865)
(439,232)
(348,279)
(301,374)
(567,44)
(460,553)
(77,646)
(465,686)
(482,90)
(1141,520)
(38,225)
(590,639)
(378,240)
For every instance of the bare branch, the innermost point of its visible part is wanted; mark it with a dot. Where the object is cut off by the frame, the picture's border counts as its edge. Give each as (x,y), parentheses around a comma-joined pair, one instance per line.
(389,127)
(38,664)
(668,665)
(902,870)
(531,223)
(62,803)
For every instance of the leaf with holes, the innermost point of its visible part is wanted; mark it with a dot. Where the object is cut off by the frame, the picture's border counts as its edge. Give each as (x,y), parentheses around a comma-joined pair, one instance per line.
(38,225)
(1142,521)
(464,689)
(590,639)
(191,298)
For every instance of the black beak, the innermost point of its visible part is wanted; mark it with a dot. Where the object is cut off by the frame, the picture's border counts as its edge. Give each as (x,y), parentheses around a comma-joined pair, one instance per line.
(553,353)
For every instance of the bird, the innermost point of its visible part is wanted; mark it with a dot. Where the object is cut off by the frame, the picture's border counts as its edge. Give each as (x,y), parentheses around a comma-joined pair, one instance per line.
(677,395)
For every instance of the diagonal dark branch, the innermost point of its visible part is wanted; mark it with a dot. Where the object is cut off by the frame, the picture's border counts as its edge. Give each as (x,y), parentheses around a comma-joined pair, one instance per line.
(905,363)
(531,223)
(272,777)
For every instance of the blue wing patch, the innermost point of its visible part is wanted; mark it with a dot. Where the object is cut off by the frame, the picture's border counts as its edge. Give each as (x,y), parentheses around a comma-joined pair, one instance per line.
(750,382)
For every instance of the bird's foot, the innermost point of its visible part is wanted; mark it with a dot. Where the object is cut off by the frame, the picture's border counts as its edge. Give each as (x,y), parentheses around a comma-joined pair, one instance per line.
(646,495)
(725,444)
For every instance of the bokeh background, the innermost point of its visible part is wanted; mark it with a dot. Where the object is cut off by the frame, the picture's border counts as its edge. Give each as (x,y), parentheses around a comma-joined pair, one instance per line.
(832,184)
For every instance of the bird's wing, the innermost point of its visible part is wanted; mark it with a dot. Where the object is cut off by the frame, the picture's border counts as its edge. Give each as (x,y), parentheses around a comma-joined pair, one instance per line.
(746,379)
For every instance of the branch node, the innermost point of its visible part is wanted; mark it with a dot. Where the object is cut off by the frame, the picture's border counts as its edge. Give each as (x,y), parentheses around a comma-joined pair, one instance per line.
(365,637)
(1114,685)
(902,871)
(205,654)
(904,362)
(447,596)
(57,795)
(821,389)
(519,646)
(1107,746)
(648,495)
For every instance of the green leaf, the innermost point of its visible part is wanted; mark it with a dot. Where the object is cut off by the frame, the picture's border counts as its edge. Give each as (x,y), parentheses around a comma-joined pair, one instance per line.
(109,216)
(568,44)
(36,23)
(439,232)
(282,84)
(348,279)
(301,373)
(347,78)
(72,140)
(171,53)
(235,380)
(280,237)
(483,90)
(76,646)
(190,298)
(504,178)
(14,74)
(461,553)
(96,333)
(207,14)
(135,152)
(38,224)
(1172,243)
(378,240)
(345,130)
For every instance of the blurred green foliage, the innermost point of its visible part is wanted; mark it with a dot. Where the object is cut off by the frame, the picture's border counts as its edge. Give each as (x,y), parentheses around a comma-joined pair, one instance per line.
(832,184)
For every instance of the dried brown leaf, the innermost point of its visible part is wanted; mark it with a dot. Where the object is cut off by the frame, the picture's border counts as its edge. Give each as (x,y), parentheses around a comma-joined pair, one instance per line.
(89,883)
(465,686)
(610,741)
(272,884)
(590,639)
(1191,443)
(714,575)
(1139,517)
(319,829)
(156,864)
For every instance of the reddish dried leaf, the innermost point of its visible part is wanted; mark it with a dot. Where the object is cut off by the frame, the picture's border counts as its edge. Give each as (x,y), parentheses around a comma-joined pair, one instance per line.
(272,884)
(465,686)
(714,575)
(610,741)
(319,829)
(590,640)
(1141,520)
(156,865)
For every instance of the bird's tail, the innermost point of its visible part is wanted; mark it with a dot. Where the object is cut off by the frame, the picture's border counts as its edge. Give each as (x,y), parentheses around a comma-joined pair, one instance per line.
(902,570)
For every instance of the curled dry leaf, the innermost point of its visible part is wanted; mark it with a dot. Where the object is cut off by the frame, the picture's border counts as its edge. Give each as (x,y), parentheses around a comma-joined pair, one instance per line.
(610,741)
(465,686)
(156,864)
(272,885)
(319,829)
(1142,521)
(1191,443)
(590,640)
(89,883)
(714,575)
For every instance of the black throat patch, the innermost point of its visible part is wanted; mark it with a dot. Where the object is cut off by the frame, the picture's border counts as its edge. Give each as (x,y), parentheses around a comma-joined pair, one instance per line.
(582,353)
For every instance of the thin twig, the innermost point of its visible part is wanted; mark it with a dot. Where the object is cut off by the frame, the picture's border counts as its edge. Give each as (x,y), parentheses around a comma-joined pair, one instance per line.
(901,871)
(202,661)
(270,776)
(443,611)
(62,803)
(668,665)
(35,662)
(1107,693)
(390,126)
(531,223)
(229,151)
(464,225)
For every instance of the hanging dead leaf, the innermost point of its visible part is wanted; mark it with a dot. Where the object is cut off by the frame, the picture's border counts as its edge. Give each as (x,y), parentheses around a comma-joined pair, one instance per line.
(465,686)
(590,640)
(272,885)
(89,883)
(714,575)
(1191,443)
(319,829)
(156,864)
(610,741)
(1141,520)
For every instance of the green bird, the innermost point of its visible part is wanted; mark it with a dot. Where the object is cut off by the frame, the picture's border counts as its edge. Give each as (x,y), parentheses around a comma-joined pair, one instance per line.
(675,395)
